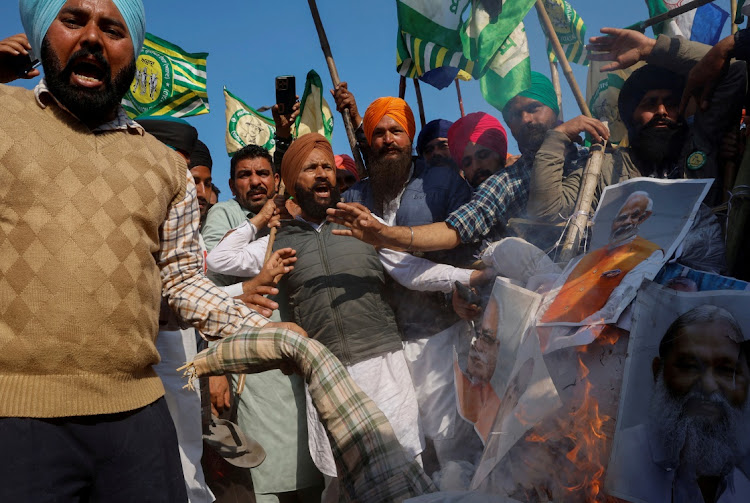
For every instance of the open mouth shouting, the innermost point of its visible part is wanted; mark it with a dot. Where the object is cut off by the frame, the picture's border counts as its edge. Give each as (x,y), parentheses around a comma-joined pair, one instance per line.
(322,190)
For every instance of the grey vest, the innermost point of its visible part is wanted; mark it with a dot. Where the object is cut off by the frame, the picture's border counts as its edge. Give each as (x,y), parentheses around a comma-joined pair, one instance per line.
(335,292)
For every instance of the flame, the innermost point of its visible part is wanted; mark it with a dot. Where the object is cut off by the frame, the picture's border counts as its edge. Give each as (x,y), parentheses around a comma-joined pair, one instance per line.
(576,442)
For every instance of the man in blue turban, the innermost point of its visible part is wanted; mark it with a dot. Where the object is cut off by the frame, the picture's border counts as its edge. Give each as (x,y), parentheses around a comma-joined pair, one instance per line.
(432,142)
(98,224)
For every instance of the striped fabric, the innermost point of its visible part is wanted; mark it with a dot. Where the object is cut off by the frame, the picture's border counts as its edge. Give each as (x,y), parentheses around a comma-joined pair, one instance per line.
(370,462)
(570,30)
(168,81)
(415,57)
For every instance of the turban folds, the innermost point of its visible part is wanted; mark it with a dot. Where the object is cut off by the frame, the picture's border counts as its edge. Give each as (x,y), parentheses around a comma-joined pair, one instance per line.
(346,162)
(542,91)
(437,128)
(173,132)
(395,108)
(200,156)
(641,81)
(480,128)
(294,159)
(37,16)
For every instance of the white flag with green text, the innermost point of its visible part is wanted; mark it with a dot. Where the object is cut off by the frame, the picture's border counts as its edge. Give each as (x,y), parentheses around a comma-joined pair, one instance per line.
(246,126)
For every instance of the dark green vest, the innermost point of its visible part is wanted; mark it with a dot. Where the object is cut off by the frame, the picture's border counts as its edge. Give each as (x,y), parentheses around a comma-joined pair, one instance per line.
(335,292)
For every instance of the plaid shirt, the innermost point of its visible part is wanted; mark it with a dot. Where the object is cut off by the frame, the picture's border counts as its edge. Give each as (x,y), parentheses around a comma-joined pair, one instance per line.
(371,464)
(189,293)
(501,197)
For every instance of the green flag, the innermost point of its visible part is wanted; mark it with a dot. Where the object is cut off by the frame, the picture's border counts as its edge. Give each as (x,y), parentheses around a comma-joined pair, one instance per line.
(570,30)
(429,36)
(509,72)
(246,126)
(314,113)
(485,31)
(168,81)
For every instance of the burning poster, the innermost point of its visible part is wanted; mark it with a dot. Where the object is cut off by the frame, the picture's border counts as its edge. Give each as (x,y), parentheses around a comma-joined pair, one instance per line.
(682,428)
(637,226)
(482,376)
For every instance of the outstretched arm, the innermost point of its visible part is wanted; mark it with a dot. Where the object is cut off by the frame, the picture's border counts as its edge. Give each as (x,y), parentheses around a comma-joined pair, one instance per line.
(364,226)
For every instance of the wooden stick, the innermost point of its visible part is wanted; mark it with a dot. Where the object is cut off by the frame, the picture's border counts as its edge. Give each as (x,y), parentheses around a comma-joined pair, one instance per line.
(335,79)
(460,99)
(402,87)
(552,37)
(580,218)
(642,25)
(558,90)
(269,252)
(733,14)
(419,102)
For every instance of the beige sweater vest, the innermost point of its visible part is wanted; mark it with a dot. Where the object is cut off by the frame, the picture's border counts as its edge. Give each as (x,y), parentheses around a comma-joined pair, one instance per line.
(79,285)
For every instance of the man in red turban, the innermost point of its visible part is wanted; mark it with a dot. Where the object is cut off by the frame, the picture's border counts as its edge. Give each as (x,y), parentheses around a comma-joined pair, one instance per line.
(479,145)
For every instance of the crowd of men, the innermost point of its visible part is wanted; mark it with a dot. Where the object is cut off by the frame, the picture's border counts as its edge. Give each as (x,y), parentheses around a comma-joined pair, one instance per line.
(112,233)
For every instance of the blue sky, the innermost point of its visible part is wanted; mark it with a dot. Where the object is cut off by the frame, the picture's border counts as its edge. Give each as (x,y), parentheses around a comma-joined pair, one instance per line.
(250,42)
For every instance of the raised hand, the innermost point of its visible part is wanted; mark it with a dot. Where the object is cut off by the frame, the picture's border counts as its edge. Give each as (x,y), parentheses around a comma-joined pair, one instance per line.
(284,122)
(706,74)
(13,51)
(575,126)
(345,100)
(623,47)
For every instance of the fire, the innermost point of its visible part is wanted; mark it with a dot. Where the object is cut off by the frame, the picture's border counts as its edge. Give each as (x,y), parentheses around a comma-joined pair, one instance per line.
(576,445)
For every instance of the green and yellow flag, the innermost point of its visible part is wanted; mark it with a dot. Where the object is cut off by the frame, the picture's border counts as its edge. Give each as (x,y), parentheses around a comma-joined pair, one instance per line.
(246,126)
(314,114)
(570,30)
(168,82)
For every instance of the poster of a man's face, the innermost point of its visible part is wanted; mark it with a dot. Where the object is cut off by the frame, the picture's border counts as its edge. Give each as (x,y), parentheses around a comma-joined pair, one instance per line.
(632,238)
(690,350)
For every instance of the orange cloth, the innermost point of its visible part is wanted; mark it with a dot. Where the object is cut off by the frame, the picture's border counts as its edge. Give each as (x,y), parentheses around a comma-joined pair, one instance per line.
(587,289)
(395,108)
(295,157)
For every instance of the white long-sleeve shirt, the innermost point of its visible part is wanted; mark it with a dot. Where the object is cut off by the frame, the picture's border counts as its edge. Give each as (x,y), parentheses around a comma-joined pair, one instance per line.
(240,254)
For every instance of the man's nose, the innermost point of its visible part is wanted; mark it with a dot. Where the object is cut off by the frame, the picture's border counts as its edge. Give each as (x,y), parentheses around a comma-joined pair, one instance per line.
(91,35)
(708,382)
(661,110)
(200,189)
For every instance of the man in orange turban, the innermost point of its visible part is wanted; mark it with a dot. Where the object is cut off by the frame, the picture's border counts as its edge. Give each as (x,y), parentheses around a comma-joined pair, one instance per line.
(346,172)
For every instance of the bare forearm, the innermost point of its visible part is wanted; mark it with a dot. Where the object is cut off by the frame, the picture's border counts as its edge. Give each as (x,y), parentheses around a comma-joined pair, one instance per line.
(431,237)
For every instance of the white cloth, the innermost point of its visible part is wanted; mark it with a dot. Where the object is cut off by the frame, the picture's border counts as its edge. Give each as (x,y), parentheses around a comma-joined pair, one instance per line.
(392,206)
(175,348)
(240,254)
(386,380)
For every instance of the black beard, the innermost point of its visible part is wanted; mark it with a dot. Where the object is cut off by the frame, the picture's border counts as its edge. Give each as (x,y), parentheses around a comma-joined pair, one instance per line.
(532,137)
(388,176)
(89,106)
(306,200)
(659,146)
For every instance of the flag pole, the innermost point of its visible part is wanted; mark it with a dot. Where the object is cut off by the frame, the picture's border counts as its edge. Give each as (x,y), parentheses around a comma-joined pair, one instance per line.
(567,70)
(733,14)
(402,87)
(419,102)
(682,9)
(558,89)
(576,227)
(460,99)
(336,81)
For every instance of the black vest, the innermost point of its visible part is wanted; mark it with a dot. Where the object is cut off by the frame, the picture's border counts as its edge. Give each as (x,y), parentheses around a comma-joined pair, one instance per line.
(335,292)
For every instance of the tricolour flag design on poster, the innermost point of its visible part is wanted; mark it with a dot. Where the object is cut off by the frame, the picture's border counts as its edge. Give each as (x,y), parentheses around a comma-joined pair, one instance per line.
(246,126)
(570,30)
(314,114)
(168,81)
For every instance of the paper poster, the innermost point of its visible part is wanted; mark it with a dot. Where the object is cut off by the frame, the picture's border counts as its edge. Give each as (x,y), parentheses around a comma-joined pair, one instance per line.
(684,409)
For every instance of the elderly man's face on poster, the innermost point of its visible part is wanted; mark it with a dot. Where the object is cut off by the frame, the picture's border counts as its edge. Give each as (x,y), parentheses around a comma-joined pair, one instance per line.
(484,346)
(701,392)
(634,212)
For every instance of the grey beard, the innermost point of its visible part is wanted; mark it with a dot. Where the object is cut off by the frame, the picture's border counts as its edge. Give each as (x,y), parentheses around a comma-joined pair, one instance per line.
(709,447)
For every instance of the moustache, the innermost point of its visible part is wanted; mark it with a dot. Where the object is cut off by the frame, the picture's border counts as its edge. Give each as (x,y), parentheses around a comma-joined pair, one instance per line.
(102,66)
(662,121)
